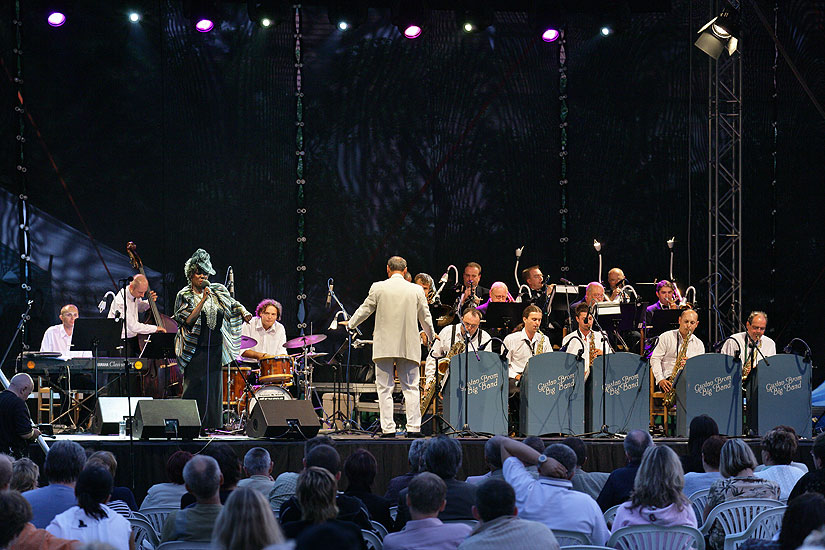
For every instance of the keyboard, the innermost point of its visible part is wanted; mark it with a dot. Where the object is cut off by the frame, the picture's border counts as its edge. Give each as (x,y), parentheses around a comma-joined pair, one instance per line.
(86,365)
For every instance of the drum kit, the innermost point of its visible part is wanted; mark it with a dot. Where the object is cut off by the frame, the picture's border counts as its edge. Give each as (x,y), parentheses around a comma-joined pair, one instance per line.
(279,377)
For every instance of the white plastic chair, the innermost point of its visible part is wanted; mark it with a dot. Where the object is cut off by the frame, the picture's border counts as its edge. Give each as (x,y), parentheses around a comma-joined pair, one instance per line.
(585,547)
(566,538)
(379,528)
(144,532)
(699,499)
(734,516)
(764,526)
(610,515)
(655,537)
(157,516)
(372,540)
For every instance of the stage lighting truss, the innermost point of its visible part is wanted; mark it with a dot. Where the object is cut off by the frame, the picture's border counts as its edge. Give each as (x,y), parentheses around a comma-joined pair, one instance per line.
(203,14)
(721,32)
(347,15)
(474,17)
(410,17)
(268,13)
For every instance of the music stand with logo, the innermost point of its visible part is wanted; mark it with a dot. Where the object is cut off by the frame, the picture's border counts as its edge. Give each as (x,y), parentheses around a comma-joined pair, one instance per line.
(96,334)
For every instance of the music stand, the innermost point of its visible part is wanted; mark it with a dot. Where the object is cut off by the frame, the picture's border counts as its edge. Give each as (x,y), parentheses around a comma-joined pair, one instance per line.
(95,334)
(503,315)
(160,345)
(664,320)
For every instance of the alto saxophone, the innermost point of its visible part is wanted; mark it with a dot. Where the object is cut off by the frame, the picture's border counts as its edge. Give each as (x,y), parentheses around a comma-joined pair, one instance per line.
(670,397)
(748,366)
(443,367)
(594,351)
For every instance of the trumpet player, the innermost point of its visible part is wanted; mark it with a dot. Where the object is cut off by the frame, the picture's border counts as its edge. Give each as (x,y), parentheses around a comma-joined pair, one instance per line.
(595,342)
(453,334)
(470,293)
(615,284)
(666,295)
(663,359)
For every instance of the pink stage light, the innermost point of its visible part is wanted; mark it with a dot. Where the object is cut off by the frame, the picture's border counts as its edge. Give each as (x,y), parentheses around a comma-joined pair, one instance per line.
(56,19)
(412,31)
(550,35)
(204,25)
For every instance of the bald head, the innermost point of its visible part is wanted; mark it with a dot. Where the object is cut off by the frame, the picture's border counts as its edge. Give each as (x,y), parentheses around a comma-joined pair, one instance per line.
(6,467)
(21,385)
(594,293)
(139,286)
(498,292)
(68,315)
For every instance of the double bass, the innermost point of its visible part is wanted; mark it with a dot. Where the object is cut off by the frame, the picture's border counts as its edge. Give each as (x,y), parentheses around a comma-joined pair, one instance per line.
(163,378)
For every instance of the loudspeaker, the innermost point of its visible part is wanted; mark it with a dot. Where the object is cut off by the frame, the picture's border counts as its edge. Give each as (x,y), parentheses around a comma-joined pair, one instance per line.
(278,419)
(110,412)
(167,418)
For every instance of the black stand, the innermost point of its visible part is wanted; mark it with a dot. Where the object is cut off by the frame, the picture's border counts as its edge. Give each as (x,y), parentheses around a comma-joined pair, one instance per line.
(612,318)
(95,335)
(468,343)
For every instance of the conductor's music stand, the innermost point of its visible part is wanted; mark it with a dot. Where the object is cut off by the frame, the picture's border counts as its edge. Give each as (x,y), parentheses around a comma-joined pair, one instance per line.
(664,320)
(503,315)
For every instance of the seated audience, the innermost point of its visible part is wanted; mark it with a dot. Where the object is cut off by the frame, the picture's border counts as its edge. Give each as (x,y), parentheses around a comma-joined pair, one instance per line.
(122,501)
(360,469)
(230,471)
(25,474)
(91,520)
(425,501)
(168,495)
(246,522)
(6,471)
(349,508)
(801,465)
(257,465)
(203,479)
(657,497)
(499,525)
(778,449)
(700,429)
(415,457)
(551,499)
(801,517)
(284,486)
(318,537)
(442,457)
(492,456)
(589,483)
(710,463)
(315,498)
(536,443)
(813,481)
(63,464)
(16,531)
(619,484)
(736,464)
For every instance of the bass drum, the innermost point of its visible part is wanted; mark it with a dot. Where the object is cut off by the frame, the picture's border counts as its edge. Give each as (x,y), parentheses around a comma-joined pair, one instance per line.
(266,392)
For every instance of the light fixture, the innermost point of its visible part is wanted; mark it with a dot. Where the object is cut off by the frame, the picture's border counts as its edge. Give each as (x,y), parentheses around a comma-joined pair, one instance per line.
(597,245)
(474,17)
(204,25)
(550,35)
(606,31)
(202,14)
(546,20)
(56,18)
(267,13)
(134,17)
(410,17)
(347,15)
(721,32)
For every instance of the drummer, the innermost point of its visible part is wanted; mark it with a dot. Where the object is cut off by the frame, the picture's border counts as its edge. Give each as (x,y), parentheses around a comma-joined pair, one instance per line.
(265,329)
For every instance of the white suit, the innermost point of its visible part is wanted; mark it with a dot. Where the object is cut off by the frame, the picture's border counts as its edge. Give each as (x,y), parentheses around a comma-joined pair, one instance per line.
(399,307)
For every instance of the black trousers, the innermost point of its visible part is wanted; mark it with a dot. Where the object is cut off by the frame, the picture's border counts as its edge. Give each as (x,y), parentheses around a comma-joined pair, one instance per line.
(202,382)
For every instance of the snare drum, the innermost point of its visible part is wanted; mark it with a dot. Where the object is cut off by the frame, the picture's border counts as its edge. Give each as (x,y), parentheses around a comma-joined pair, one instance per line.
(233,383)
(276,370)
(266,392)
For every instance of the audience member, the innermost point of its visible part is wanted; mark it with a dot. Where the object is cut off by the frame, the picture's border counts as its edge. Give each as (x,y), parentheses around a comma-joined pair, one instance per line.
(701,428)
(16,430)
(257,465)
(63,465)
(349,508)
(551,499)
(736,464)
(657,497)
(589,483)
(778,449)
(6,471)
(122,501)
(814,541)
(500,527)
(813,481)
(801,517)
(711,449)
(203,480)
(318,537)
(316,496)
(16,531)
(534,442)
(426,499)
(619,484)
(415,457)
(168,495)
(91,520)
(801,465)
(360,469)
(284,486)
(230,471)
(492,456)
(442,457)
(25,474)
(246,522)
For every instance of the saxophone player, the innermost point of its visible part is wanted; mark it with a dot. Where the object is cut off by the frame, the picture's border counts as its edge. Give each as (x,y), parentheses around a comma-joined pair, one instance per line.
(524,344)
(595,342)
(455,334)
(751,340)
(663,359)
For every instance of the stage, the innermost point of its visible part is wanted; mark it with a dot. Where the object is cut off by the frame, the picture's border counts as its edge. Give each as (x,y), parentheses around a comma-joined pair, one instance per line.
(604,454)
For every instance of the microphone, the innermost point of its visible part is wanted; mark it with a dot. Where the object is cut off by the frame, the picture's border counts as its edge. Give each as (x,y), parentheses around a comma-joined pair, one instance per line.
(330,286)
(231,281)
(580,355)
(565,281)
(102,305)
(205,284)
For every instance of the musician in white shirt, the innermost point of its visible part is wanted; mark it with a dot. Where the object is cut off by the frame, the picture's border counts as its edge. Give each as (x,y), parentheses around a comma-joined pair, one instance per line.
(750,340)
(59,337)
(583,336)
(135,305)
(265,329)
(452,334)
(524,344)
(670,342)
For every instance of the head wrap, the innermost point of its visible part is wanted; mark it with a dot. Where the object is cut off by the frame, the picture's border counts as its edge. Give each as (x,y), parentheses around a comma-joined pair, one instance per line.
(199,260)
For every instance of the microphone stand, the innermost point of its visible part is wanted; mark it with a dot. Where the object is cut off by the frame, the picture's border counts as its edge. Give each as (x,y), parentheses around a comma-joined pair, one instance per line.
(468,344)
(129,424)
(598,328)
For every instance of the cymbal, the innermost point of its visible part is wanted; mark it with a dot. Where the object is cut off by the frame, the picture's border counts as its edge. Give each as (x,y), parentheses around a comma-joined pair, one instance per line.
(312,354)
(248,342)
(303,341)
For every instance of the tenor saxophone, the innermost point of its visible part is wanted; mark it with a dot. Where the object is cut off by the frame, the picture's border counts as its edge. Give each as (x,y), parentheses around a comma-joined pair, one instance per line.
(443,367)
(670,397)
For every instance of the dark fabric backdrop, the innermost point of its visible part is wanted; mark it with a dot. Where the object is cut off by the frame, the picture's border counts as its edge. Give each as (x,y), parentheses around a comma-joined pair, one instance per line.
(444,149)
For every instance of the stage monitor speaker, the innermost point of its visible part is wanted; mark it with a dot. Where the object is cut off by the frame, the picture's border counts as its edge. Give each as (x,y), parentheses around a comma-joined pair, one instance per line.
(167,419)
(111,411)
(277,418)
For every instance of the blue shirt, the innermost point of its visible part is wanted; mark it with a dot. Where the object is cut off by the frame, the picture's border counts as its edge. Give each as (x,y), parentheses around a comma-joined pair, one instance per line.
(49,501)
(428,534)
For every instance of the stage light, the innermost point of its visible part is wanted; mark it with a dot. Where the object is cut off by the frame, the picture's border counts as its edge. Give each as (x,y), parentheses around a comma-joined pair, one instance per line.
(550,35)
(469,27)
(606,31)
(56,18)
(134,17)
(204,25)
(476,18)
(413,31)
(721,32)
(546,20)
(202,13)
(343,26)
(410,17)
(268,13)
(347,15)
(266,22)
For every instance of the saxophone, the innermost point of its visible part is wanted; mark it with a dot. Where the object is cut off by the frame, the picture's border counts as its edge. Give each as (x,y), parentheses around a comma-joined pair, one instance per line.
(746,368)
(594,351)
(443,367)
(540,348)
(670,397)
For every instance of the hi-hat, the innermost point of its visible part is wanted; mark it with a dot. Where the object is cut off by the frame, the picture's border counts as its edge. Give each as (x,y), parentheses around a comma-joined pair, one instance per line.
(311,354)
(304,341)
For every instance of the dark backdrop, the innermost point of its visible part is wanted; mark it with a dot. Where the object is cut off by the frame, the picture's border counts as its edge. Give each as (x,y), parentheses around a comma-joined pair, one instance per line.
(444,149)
